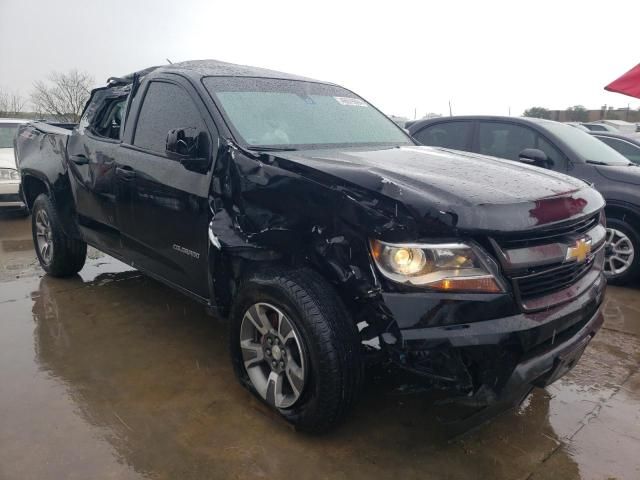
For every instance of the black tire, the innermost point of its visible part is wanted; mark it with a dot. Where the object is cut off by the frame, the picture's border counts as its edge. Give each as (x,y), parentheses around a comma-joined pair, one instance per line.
(633,272)
(330,339)
(68,254)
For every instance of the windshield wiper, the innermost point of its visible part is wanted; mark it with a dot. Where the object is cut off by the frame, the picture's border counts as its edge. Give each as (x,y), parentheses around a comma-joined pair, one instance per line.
(596,162)
(267,148)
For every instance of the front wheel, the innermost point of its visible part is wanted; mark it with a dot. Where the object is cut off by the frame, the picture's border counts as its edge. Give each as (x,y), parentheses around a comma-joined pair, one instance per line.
(294,346)
(622,257)
(58,254)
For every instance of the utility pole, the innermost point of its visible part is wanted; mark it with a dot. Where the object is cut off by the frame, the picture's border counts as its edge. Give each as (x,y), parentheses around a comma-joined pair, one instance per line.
(450,114)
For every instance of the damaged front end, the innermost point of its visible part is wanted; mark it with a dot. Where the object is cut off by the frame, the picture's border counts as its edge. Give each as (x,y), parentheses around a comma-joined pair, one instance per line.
(475,274)
(491,350)
(486,348)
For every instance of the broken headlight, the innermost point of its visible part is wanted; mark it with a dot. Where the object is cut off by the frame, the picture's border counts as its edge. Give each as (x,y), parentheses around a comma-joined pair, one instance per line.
(9,174)
(450,267)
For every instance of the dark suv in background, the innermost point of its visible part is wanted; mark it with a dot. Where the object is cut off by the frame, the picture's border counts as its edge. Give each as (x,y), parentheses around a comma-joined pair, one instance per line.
(564,149)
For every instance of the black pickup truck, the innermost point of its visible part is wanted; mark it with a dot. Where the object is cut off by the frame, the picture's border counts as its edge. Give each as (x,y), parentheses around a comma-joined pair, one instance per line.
(325,235)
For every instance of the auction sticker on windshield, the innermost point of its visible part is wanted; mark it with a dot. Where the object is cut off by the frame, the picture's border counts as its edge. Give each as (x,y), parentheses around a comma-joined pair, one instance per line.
(350,101)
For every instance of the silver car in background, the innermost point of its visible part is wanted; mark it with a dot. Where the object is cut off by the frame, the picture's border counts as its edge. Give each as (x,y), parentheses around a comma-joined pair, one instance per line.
(9,176)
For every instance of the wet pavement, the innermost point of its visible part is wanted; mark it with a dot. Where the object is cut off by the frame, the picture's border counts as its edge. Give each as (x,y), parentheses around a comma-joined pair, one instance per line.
(111,375)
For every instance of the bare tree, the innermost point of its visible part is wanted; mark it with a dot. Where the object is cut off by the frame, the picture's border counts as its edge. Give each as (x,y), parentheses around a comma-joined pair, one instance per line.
(63,95)
(11,103)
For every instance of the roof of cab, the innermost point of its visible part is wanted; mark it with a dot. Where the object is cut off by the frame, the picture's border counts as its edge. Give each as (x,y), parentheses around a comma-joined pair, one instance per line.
(213,68)
(420,124)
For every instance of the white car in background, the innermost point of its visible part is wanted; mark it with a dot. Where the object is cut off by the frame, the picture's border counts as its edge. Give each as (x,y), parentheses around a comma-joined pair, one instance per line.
(9,176)
(613,126)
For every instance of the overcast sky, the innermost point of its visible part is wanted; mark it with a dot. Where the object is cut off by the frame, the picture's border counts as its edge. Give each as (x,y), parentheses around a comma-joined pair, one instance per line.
(484,56)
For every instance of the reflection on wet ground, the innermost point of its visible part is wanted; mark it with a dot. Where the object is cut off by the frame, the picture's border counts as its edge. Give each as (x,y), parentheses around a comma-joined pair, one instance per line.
(112,375)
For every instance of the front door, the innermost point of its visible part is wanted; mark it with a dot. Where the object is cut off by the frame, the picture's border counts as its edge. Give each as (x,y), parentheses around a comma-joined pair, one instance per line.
(163,209)
(507,140)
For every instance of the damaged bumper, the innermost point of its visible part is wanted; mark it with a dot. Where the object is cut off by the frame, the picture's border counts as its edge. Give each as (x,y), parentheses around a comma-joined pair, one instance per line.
(492,365)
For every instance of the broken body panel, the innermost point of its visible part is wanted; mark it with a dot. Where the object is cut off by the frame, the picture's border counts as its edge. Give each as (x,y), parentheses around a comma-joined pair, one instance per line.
(202,231)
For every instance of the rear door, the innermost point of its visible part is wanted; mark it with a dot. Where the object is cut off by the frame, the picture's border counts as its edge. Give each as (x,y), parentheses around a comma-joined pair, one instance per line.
(162,203)
(92,150)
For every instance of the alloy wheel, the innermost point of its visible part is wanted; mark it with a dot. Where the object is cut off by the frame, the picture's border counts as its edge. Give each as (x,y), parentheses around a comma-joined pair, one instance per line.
(273,355)
(619,253)
(44,236)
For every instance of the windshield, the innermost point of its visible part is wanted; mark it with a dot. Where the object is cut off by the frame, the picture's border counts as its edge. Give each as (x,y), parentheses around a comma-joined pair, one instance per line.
(7,132)
(293,114)
(586,146)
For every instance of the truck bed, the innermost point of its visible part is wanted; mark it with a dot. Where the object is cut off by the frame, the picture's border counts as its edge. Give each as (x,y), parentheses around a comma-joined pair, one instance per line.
(41,144)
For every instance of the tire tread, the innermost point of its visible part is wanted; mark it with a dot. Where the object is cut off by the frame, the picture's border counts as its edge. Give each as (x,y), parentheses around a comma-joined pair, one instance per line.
(336,342)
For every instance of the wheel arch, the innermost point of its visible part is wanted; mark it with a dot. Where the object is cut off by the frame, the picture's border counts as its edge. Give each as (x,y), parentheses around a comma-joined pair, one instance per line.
(228,270)
(32,186)
(61,196)
(623,211)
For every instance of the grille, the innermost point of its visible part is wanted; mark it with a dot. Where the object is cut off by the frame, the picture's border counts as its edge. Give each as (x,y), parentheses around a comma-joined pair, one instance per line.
(550,234)
(550,280)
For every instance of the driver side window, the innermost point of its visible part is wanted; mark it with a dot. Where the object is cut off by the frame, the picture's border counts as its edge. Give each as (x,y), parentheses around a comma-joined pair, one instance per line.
(560,162)
(166,107)
(504,140)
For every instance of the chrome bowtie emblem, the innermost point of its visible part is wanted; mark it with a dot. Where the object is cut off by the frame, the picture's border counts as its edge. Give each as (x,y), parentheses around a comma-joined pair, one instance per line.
(579,251)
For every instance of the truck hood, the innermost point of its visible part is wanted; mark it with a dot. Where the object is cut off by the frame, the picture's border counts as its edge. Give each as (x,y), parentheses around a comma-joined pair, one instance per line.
(464,190)
(627,174)
(7,159)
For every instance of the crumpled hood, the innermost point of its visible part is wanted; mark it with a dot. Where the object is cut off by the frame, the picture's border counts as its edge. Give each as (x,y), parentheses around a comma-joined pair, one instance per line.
(7,160)
(627,174)
(475,192)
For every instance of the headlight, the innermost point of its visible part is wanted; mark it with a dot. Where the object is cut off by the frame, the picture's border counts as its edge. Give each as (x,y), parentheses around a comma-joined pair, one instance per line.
(8,174)
(452,267)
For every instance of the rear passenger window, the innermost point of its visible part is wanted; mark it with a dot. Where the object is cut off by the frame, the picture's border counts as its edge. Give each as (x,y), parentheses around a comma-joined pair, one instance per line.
(166,106)
(109,123)
(504,140)
(454,135)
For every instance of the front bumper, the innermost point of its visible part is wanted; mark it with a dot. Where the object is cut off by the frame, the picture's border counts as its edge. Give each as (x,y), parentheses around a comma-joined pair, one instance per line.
(539,370)
(491,365)
(10,195)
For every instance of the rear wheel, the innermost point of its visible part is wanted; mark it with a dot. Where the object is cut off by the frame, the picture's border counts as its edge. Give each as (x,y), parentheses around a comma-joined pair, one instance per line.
(294,346)
(58,254)
(622,262)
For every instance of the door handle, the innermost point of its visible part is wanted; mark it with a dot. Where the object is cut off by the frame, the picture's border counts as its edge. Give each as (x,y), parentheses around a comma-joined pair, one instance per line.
(125,173)
(79,159)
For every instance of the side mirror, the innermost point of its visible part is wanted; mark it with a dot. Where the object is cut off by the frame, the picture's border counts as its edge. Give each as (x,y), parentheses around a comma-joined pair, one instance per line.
(190,147)
(534,156)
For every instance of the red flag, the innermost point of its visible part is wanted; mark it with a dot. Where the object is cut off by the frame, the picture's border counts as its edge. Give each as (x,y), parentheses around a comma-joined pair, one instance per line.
(627,84)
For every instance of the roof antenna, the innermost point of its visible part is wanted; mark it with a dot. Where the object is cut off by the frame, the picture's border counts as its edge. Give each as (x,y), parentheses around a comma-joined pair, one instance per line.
(170,62)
